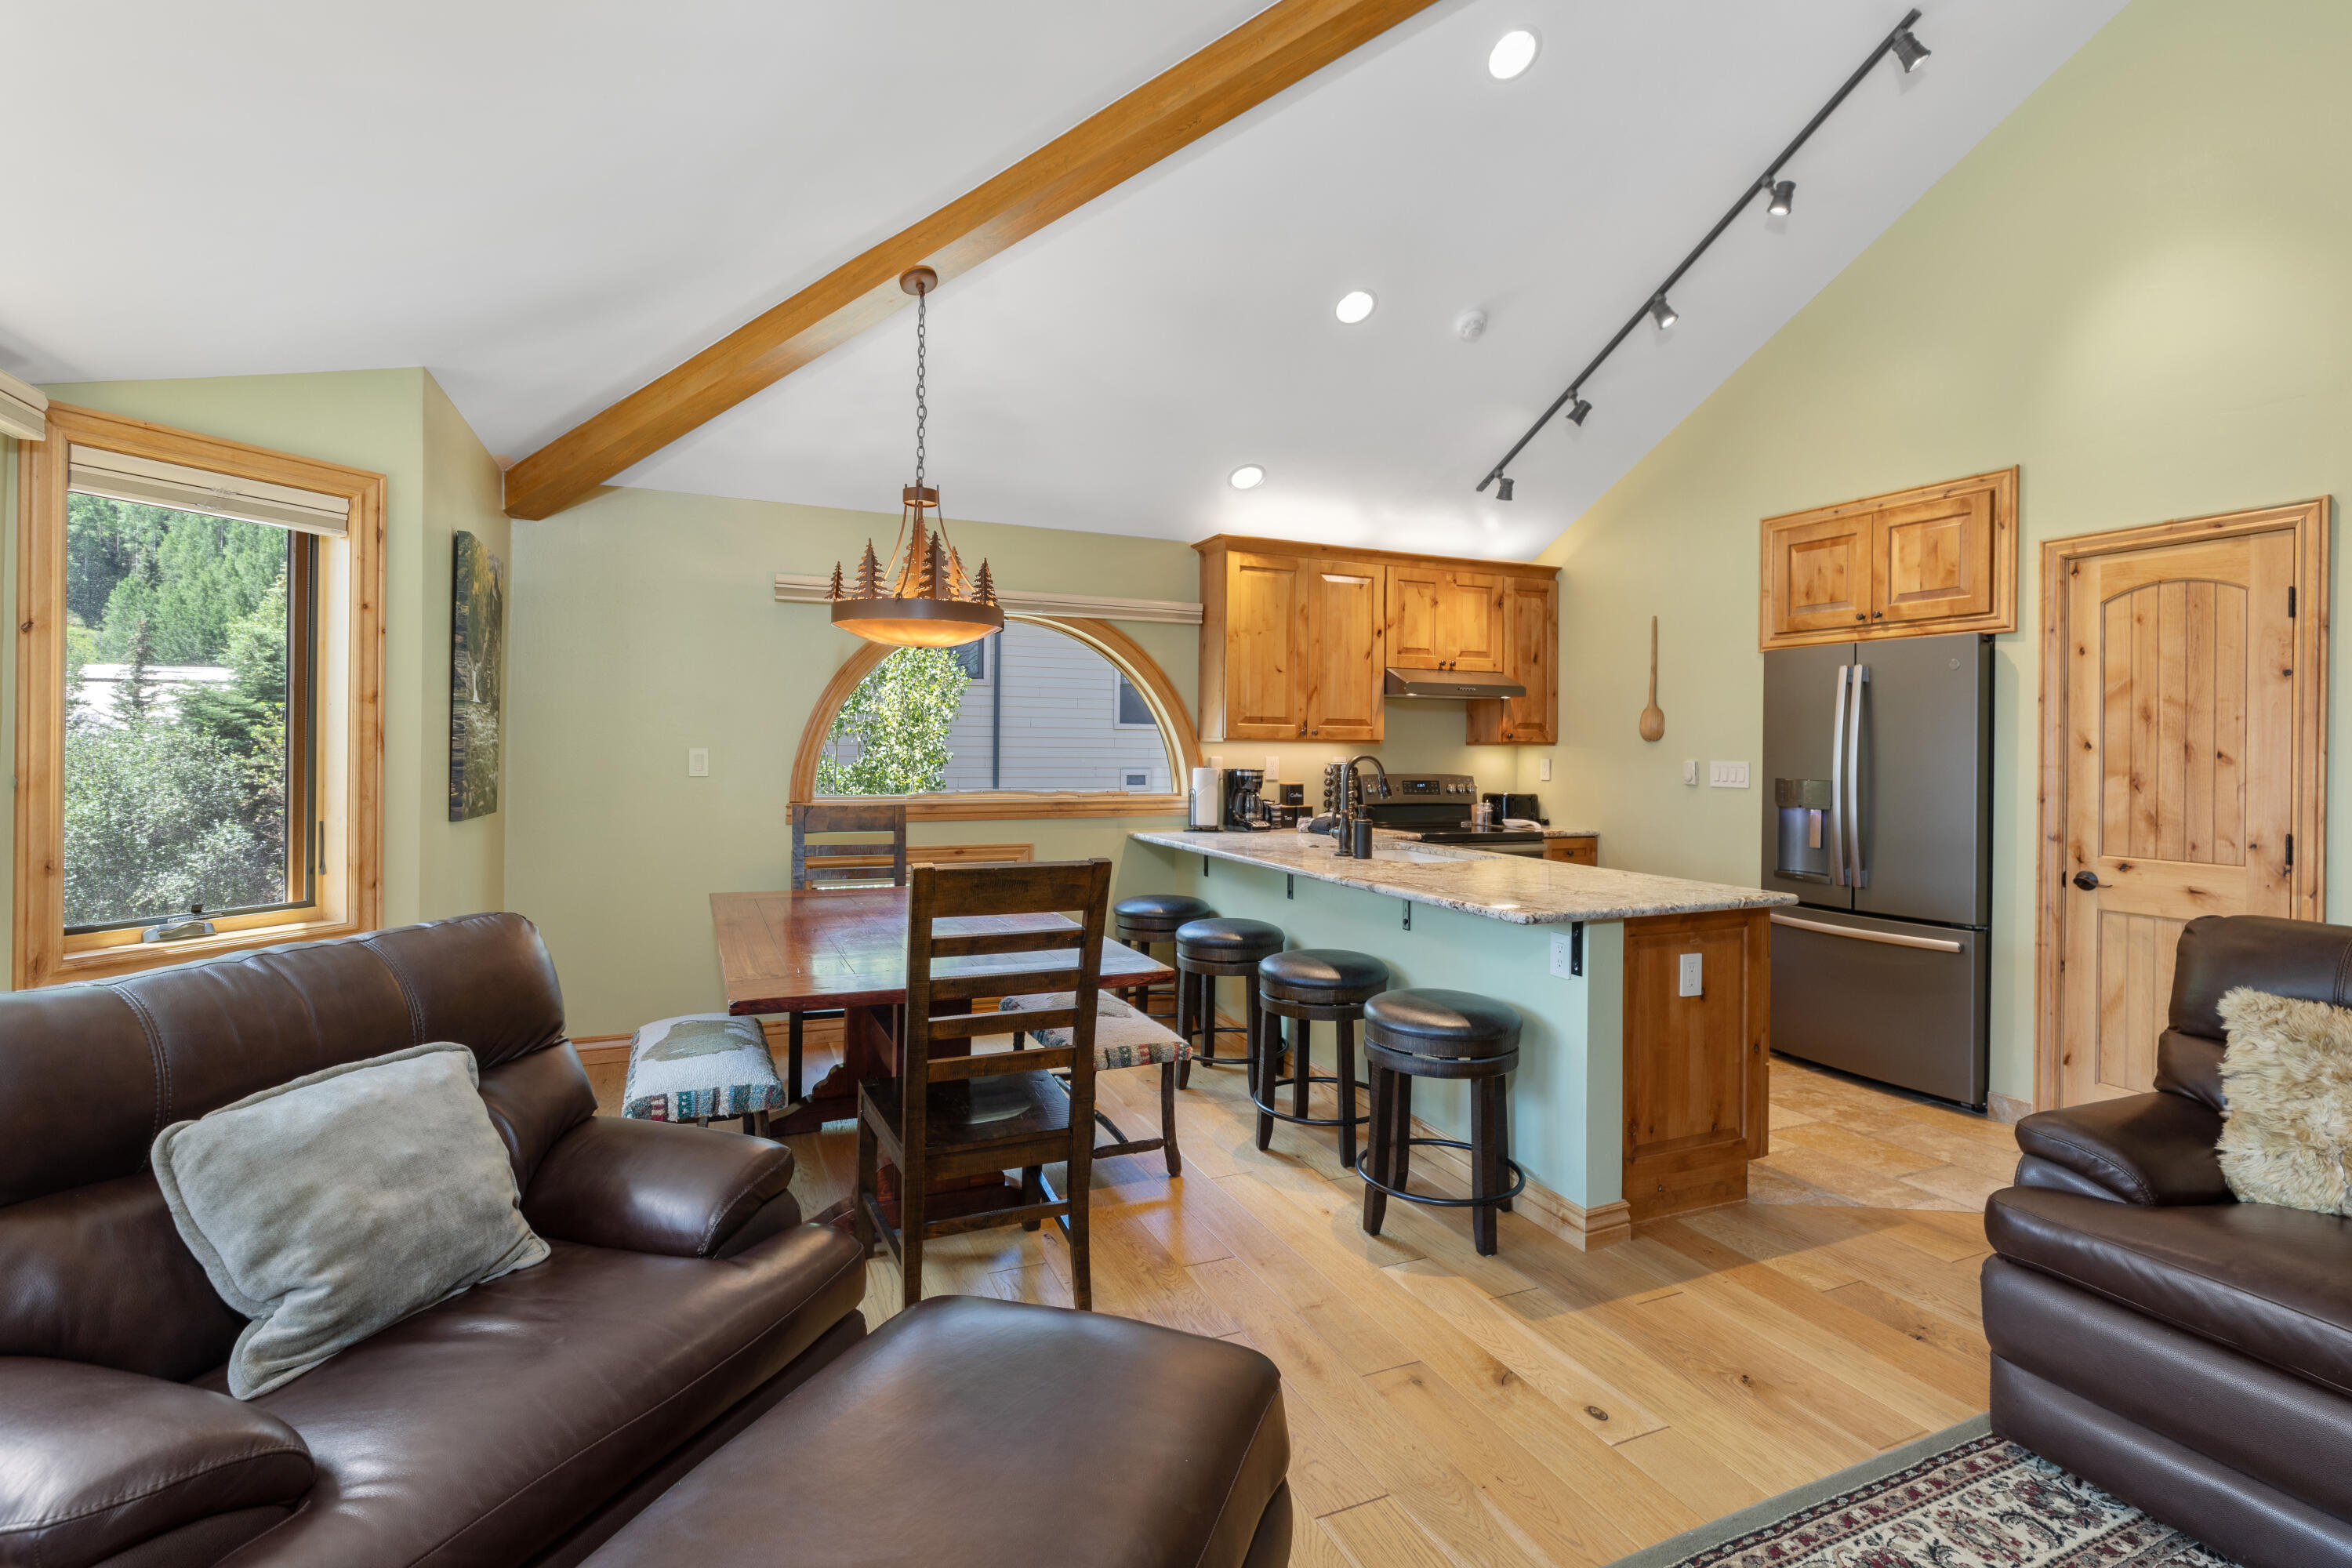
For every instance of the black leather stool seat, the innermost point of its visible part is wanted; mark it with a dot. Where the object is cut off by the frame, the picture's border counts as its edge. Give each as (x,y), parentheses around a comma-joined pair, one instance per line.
(1433,1023)
(1222,940)
(1327,976)
(1159,912)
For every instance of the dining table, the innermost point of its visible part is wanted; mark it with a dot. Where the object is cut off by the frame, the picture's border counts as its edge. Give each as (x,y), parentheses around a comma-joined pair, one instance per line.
(817,949)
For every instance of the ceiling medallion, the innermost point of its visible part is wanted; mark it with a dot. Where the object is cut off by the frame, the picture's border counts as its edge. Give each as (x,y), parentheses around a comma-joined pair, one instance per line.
(923,599)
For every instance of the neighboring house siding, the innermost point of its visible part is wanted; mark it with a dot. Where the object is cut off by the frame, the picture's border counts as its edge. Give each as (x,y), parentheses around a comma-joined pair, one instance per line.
(1061,708)
(1061,728)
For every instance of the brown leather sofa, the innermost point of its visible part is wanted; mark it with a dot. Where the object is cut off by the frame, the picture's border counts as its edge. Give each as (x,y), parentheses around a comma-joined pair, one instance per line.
(523,1422)
(2188,1352)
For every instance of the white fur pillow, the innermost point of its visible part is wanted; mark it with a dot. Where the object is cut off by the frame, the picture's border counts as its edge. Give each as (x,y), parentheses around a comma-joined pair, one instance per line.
(2288,1075)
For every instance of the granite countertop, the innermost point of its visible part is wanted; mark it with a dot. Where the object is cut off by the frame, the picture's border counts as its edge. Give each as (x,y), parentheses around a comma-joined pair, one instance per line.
(1514,888)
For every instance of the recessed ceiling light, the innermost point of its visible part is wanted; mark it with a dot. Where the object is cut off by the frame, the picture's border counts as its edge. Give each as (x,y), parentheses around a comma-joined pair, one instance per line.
(1354,306)
(1248,476)
(1513,53)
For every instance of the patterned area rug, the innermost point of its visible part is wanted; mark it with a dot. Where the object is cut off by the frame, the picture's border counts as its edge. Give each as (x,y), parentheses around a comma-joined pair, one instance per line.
(1959,1498)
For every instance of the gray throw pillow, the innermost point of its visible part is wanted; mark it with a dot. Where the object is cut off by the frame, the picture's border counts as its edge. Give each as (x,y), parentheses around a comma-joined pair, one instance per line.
(329,1208)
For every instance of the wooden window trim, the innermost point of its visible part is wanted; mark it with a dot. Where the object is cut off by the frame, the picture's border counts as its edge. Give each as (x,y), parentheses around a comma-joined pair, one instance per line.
(350,786)
(2309,520)
(998,805)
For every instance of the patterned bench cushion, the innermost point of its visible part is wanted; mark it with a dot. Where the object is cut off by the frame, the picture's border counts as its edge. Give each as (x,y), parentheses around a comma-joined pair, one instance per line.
(703,1064)
(1123,1037)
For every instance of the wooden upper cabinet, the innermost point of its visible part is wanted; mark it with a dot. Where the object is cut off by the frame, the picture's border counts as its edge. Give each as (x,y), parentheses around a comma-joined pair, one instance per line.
(1444,619)
(1931,561)
(1820,576)
(1531,657)
(1345,638)
(1942,558)
(1253,622)
(1296,639)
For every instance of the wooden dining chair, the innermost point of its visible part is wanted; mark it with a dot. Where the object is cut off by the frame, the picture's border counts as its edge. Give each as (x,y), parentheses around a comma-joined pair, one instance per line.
(849,853)
(950,1114)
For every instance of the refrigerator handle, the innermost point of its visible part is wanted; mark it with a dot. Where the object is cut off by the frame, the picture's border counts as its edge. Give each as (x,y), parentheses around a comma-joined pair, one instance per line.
(1856,871)
(1837,782)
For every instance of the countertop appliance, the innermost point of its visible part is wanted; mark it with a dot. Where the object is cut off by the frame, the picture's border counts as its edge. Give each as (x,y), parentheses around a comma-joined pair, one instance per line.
(1877,814)
(1516,808)
(1436,809)
(1246,810)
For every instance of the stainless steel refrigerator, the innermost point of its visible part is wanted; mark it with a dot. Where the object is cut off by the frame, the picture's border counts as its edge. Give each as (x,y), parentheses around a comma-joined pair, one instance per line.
(1878,815)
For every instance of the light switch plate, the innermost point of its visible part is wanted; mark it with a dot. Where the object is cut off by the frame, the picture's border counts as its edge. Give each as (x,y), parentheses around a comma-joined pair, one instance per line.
(1688,968)
(1728,775)
(698,762)
(1559,955)
(1543,769)
(1690,771)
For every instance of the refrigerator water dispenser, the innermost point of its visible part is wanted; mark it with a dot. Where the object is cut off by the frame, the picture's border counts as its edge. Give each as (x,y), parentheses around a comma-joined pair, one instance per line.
(1804,809)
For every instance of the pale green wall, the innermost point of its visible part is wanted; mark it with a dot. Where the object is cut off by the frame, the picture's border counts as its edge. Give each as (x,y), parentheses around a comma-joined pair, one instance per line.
(395,423)
(2134,287)
(645,622)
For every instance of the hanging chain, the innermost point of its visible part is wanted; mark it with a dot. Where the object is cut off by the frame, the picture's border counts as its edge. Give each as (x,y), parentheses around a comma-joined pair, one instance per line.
(922,409)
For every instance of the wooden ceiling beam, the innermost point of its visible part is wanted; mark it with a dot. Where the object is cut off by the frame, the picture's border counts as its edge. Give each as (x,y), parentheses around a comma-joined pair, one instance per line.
(1280,45)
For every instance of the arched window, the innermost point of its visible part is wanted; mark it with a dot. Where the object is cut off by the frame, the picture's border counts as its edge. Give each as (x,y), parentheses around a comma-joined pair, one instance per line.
(1061,717)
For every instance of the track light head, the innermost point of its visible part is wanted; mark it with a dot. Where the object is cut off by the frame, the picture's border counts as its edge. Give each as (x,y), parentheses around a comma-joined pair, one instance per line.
(1909,49)
(1577,410)
(1783,191)
(1662,312)
(1503,490)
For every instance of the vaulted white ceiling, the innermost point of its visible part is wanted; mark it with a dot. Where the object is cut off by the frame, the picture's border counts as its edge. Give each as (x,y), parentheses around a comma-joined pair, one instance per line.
(548,204)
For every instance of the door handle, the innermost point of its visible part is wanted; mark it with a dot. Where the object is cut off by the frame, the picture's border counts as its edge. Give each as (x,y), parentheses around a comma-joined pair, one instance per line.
(1837,782)
(1933,944)
(2086,880)
(1856,869)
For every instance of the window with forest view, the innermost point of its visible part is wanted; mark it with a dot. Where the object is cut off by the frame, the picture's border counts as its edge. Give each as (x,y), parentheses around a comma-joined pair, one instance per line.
(1032,708)
(178,772)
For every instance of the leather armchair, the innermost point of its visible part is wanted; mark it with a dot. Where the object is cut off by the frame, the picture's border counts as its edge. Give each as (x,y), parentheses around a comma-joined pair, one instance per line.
(2190,1353)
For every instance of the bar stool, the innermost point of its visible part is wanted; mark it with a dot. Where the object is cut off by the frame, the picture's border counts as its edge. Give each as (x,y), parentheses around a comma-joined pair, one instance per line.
(1439,1034)
(1205,949)
(1304,984)
(1153,917)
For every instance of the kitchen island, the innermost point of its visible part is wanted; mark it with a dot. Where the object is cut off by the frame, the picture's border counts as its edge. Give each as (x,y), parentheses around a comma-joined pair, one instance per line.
(1632,1098)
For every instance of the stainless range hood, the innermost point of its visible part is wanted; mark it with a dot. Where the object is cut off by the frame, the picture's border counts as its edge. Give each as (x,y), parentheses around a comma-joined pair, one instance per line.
(1453,683)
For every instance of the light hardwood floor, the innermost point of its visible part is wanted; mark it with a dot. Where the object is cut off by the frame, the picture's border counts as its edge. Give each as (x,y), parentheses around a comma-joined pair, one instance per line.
(1543,1406)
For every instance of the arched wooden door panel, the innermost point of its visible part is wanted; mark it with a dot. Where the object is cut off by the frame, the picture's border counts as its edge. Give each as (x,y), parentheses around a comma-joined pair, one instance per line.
(2185,666)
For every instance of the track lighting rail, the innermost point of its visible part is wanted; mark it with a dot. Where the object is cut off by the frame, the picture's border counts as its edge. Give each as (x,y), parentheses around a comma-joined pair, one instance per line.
(1908,52)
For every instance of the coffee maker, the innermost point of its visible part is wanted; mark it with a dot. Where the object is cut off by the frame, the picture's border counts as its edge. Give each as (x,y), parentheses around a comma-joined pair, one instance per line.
(1246,810)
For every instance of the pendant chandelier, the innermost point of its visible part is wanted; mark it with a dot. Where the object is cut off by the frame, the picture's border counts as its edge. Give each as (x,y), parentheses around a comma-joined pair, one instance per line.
(923,599)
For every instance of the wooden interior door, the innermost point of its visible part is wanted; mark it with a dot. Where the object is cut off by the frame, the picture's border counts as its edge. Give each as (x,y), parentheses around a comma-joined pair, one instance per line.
(2190,727)
(1932,560)
(1346,639)
(1265,646)
(1818,575)
(1470,621)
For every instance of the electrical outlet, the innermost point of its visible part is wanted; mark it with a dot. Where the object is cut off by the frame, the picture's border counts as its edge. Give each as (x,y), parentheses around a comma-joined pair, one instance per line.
(1543,769)
(1728,775)
(1273,769)
(1690,771)
(1561,958)
(698,762)
(1688,975)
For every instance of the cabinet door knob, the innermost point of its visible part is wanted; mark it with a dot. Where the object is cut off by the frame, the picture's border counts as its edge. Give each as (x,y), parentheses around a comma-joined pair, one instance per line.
(1861,617)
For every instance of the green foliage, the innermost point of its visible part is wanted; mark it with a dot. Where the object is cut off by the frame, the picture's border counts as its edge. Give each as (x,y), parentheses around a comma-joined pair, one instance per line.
(899,718)
(190,577)
(176,795)
(155,821)
(476,666)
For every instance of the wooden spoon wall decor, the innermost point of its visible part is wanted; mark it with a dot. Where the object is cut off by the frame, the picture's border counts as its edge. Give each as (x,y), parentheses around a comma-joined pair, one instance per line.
(1653,719)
